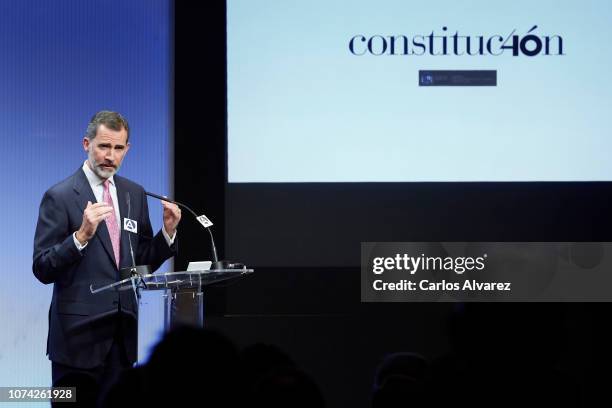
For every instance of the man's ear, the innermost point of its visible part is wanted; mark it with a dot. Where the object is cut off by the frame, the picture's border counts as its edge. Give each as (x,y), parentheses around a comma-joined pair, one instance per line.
(127,147)
(86,144)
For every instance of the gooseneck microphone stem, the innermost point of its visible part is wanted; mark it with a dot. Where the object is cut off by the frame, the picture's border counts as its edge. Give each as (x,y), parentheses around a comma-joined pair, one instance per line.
(212,240)
(134,271)
(129,206)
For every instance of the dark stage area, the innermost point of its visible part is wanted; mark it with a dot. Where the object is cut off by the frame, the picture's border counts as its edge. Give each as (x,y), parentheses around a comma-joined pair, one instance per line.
(311,309)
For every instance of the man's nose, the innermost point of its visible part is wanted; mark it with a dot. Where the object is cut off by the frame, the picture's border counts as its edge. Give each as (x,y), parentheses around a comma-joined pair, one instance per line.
(110,155)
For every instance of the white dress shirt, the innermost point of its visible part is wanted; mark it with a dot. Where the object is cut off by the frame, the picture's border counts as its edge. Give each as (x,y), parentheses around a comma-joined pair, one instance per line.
(97,186)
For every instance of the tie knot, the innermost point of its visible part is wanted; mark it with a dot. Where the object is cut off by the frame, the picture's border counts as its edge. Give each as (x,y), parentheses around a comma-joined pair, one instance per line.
(106,184)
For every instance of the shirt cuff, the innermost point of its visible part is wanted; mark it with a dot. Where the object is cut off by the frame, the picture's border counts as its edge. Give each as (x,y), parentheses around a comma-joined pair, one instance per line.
(169,240)
(78,244)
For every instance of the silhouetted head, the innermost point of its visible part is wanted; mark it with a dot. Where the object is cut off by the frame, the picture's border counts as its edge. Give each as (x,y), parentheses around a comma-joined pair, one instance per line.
(400,381)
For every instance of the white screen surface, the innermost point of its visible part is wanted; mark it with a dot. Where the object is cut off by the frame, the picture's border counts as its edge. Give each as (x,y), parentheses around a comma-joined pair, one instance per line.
(303,108)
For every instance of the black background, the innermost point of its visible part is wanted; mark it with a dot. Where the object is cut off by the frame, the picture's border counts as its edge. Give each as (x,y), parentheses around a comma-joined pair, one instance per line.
(313,311)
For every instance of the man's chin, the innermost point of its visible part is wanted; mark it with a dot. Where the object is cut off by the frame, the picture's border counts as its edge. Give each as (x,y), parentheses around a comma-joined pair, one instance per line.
(105,173)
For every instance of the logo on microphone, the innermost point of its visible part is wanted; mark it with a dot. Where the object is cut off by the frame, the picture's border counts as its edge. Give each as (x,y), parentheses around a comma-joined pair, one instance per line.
(130,225)
(204,221)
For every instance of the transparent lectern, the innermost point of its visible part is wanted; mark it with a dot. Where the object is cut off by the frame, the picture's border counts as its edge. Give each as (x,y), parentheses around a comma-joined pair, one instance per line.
(172,283)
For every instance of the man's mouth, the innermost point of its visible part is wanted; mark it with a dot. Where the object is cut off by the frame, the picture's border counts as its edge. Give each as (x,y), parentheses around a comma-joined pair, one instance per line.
(107,166)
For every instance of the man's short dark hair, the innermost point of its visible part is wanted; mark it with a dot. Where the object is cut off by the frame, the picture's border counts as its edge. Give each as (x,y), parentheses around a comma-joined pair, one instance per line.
(110,119)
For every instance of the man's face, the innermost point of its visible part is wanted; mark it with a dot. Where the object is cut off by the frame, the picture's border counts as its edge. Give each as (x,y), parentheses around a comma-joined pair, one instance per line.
(106,151)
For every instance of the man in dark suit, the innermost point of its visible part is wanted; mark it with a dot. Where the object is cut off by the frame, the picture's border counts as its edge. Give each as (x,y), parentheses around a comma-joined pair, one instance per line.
(81,238)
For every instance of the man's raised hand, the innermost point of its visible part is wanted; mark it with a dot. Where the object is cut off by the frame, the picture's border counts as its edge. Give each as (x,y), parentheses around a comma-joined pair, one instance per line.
(92,216)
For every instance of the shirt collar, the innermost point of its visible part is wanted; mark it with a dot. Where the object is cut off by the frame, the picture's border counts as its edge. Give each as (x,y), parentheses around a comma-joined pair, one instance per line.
(93,178)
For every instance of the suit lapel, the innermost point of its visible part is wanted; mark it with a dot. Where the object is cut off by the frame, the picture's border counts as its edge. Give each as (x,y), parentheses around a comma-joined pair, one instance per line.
(84,193)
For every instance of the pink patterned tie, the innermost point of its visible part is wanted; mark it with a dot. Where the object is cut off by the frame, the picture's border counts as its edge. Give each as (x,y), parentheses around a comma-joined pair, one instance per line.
(111,221)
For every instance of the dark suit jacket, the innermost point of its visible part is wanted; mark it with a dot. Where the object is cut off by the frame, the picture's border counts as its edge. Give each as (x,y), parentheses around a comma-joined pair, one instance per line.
(82,324)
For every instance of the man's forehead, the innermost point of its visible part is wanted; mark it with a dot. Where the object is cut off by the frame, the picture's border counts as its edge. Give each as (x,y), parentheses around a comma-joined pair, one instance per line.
(114,137)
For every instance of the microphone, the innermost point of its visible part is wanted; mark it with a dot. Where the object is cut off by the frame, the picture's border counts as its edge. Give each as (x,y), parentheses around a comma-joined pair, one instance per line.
(206,223)
(133,270)
(129,206)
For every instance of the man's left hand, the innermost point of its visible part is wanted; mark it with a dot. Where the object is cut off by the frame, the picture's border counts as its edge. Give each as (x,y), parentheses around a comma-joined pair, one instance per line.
(172,216)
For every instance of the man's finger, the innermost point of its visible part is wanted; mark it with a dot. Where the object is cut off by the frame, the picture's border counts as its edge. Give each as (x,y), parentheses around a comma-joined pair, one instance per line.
(88,204)
(100,217)
(96,221)
(173,208)
(102,211)
(102,204)
(105,210)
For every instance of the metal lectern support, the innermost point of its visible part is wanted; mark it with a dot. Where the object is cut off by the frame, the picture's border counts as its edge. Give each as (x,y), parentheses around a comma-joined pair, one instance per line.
(167,309)
(200,296)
